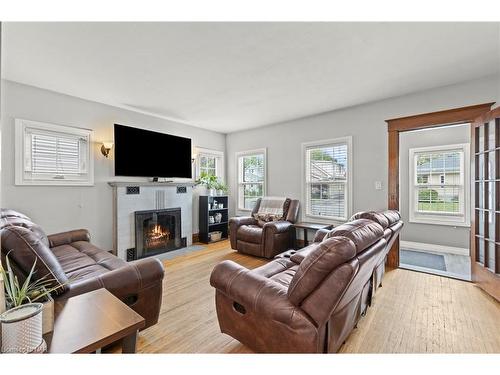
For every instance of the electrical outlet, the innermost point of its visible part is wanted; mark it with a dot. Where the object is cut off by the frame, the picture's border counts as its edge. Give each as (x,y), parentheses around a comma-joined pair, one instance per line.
(378,185)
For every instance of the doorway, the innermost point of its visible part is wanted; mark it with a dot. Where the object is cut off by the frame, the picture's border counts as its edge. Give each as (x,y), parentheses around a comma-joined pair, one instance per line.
(434,170)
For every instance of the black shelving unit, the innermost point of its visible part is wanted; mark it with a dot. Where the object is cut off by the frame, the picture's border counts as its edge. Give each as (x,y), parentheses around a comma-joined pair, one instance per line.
(206,210)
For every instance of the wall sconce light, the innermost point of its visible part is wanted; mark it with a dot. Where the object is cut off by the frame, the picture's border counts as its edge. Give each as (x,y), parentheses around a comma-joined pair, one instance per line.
(106,147)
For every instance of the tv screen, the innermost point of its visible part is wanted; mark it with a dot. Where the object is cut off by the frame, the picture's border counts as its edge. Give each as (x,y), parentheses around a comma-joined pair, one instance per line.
(144,153)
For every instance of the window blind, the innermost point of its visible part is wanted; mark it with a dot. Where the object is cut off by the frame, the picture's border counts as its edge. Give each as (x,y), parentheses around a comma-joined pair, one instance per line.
(326,180)
(51,154)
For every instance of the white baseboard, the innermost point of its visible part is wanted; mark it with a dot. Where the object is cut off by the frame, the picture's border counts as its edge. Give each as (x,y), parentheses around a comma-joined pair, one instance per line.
(419,246)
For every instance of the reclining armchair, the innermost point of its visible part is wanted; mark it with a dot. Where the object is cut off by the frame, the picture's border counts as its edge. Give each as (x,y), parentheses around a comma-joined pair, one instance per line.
(264,239)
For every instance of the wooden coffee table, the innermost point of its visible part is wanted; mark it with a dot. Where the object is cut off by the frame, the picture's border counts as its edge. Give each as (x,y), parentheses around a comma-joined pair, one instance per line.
(90,321)
(310,226)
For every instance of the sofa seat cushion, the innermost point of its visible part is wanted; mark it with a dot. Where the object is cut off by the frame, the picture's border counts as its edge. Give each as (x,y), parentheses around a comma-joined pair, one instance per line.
(250,233)
(285,277)
(80,255)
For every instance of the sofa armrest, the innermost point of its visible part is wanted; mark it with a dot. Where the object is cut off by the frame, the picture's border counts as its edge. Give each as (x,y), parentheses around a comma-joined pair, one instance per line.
(65,238)
(122,282)
(254,292)
(242,220)
(276,227)
(234,224)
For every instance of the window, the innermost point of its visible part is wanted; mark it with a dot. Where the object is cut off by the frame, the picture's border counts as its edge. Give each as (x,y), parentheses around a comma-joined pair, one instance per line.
(327,179)
(251,178)
(48,154)
(438,192)
(209,162)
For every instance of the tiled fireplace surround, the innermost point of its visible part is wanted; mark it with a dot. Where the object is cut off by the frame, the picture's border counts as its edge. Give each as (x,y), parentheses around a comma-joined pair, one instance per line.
(129,197)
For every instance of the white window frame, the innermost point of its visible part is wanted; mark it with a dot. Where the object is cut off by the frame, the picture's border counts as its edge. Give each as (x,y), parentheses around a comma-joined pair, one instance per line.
(219,161)
(23,177)
(461,219)
(239,175)
(348,204)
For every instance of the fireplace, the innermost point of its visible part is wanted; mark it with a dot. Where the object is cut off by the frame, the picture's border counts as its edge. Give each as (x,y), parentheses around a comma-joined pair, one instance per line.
(157,231)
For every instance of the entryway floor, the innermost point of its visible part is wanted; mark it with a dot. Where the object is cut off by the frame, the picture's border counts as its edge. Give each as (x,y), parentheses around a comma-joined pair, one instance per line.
(456,266)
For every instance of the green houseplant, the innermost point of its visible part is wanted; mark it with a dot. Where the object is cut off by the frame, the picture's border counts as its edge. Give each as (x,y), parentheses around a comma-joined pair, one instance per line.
(209,181)
(30,291)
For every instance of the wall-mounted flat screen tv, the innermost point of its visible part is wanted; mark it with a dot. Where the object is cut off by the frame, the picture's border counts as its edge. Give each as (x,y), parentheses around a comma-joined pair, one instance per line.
(144,153)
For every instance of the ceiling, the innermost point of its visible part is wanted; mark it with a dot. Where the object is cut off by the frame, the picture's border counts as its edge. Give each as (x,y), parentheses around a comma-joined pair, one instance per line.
(233,76)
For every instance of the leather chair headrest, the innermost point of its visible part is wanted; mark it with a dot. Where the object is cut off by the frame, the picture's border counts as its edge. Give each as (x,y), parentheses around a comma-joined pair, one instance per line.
(372,215)
(363,232)
(8,213)
(317,265)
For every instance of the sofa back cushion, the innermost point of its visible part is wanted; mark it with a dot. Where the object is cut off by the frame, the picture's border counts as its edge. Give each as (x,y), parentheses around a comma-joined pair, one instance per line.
(392,216)
(24,246)
(317,265)
(372,215)
(363,232)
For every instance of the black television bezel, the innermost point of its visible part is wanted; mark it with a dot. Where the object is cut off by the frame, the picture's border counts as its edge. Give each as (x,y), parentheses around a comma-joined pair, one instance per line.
(155,132)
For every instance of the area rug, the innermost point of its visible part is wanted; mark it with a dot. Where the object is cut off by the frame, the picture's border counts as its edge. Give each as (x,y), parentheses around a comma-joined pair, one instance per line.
(421,259)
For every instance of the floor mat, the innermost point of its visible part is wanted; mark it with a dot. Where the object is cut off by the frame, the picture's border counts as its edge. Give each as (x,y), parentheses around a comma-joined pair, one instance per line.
(421,259)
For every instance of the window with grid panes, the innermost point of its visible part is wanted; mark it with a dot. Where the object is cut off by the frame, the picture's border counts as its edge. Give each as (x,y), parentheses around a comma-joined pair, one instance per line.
(437,184)
(326,179)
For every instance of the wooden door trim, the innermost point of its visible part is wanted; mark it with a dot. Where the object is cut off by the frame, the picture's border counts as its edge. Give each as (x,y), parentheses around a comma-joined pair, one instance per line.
(440,118)
(415,122)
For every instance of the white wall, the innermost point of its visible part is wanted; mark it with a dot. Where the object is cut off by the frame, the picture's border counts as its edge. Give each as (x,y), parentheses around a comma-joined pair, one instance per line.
(63,208)
(429,233)
(365,123)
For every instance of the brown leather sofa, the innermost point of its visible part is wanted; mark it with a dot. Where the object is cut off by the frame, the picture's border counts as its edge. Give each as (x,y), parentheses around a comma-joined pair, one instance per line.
(391,221)
(248,235)
(69,259)
(305,301)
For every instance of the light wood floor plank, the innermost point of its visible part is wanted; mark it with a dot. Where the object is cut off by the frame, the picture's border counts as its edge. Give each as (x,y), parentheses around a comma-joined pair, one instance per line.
(412,313)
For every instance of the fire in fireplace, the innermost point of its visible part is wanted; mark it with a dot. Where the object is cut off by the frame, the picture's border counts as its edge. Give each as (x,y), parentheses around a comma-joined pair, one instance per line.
(157,231)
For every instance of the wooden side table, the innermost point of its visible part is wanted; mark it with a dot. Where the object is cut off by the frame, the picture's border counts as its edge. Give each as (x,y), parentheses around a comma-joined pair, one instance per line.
(90,321)
(307,227)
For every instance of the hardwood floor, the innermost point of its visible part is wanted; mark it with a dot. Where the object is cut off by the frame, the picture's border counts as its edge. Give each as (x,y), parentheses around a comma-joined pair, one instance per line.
(412,313)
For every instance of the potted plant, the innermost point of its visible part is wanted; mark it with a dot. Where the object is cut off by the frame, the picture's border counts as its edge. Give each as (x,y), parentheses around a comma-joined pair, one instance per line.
(221,187)
(209,181)
(29,292)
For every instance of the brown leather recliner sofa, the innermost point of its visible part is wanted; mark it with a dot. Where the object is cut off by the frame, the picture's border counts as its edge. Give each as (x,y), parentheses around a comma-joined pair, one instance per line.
(305,301)
(70,260)
(249,236)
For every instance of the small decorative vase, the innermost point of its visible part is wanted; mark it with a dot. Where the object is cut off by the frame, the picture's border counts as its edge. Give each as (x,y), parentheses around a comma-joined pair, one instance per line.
(22,329)
(211,219)
(212,192)
(218,217)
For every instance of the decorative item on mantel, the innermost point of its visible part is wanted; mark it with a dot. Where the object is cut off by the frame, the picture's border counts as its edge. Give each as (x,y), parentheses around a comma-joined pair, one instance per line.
(29,307)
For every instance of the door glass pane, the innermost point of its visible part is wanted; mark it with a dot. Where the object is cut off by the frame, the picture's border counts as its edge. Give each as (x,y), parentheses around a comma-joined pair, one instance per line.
(481,223)
(491,136)
(491,166)
(480,167)
(491,256)
(480,194)
(481,139)
(491,226)
(491,195)
(480,250)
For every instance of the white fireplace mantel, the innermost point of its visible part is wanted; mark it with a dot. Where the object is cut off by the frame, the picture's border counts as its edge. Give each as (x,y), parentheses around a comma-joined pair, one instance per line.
(151,196)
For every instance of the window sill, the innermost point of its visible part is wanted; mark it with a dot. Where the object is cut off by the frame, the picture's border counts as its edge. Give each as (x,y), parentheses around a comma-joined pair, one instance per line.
(323,219)
(54,183)
(439,222)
